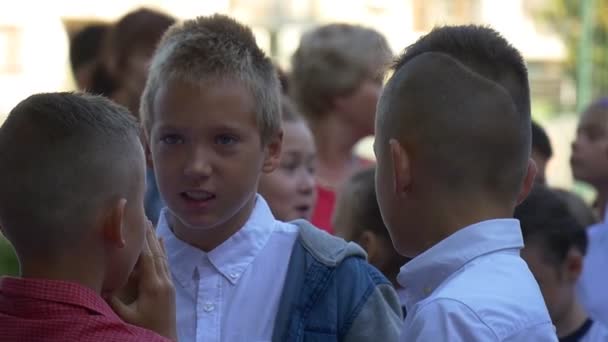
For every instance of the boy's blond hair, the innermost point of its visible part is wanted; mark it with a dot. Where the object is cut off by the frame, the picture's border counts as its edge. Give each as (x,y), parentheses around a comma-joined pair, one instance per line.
(333,60)
(211,48)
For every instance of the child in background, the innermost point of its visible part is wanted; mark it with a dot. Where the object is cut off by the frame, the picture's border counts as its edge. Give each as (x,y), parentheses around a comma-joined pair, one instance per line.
(71,204)
(451,169)
(85,47)
(290,189)
(211,115)
(590,165)
(337,75)
(541,151)
(555,249)
(357,218)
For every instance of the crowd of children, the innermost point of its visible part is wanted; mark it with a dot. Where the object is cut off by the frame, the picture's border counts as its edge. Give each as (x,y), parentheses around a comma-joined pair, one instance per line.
(198,199)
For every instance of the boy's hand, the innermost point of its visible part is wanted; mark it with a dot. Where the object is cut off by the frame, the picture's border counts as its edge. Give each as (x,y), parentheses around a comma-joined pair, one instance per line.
(154,304)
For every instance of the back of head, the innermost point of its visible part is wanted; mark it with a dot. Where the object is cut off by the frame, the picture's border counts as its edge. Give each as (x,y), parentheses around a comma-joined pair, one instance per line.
(462,129)
(333,60)
(208,49)
(577,206)
(540,141)
(546,221)
(485,52)
(63,156)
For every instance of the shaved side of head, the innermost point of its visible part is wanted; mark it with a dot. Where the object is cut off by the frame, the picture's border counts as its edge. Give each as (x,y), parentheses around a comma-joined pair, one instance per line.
(463,128)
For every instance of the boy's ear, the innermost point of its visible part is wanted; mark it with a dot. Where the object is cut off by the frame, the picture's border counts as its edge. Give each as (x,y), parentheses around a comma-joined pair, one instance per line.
(272,152)
(112,226)
(402,172)
(528,181)
(573,265)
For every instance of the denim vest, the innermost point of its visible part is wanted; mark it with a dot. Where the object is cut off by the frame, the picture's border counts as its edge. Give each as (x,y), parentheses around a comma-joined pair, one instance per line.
(332,294)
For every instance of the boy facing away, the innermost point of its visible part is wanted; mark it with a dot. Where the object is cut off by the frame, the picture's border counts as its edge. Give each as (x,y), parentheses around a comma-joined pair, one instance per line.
(71,204)
(211,112)
(453,149)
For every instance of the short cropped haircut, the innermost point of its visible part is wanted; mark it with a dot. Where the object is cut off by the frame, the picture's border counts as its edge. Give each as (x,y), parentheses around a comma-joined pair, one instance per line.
(465,128)
(333,60)
(85,45)
(360,191)
(485,52)
(210,48)
(540,141)
(545,220)
(63,156)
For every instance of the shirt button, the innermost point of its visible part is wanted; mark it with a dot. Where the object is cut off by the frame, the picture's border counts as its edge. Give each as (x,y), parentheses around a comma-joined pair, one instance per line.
(208,307)
(234,275)
(428,290)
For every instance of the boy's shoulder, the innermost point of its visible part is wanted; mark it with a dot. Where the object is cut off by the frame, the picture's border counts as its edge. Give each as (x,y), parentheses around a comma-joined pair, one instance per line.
(500,292)
(327,249)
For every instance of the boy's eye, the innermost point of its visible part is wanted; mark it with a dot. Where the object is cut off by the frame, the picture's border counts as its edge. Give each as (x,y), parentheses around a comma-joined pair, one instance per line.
(225,139)
(172,139)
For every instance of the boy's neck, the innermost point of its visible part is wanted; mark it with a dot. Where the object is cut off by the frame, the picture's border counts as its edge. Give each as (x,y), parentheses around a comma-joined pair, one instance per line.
(81,272)
(208,239)
(335,142)
(572,321)
(450,216)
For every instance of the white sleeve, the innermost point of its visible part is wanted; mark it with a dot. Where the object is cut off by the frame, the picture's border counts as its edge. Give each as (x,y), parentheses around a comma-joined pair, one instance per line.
(446,320)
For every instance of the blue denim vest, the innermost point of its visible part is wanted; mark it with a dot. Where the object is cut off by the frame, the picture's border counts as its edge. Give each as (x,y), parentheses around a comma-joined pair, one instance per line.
(332,294)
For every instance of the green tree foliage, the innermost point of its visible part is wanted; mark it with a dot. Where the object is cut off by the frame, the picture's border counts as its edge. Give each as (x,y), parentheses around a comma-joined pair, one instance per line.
(565,18)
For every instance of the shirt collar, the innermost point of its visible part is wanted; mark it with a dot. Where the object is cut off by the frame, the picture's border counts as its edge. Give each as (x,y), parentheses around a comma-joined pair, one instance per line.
(423,274)
(231,258)
(63,292)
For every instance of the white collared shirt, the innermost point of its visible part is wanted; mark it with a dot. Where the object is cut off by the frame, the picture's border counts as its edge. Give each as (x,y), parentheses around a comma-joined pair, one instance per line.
(231,293)
(593,283)
(474,286)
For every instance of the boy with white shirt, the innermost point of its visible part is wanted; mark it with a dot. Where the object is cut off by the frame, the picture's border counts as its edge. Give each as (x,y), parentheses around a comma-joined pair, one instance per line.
(212,121)
(453,149)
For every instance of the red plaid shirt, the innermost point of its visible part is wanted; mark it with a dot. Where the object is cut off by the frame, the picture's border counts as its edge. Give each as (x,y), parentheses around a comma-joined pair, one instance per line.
(48,310)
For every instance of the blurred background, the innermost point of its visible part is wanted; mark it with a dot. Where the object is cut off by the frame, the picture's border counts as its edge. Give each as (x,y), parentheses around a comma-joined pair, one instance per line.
(564,42)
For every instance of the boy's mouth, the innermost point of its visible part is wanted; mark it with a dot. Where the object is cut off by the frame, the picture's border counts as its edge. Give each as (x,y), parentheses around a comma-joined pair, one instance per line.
(303,210)
(197,195)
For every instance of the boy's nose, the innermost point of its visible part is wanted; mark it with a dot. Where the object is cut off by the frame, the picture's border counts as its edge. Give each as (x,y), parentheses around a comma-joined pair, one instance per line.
(306,184)
(198,165)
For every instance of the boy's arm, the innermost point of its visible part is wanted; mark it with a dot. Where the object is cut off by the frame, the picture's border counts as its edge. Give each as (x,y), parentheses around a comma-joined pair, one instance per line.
(380,318)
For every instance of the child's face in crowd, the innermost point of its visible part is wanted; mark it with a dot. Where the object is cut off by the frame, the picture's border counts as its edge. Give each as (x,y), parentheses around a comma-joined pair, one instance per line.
(589,159)
(290,189)
(207,153)
(133,225)
(556,282)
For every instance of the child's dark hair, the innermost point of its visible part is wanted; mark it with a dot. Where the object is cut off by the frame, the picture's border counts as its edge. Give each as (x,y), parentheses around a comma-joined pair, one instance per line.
(484,51)
(546,220)
(540,141)
(63,156)
(86,44)
(361,191)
